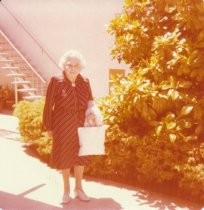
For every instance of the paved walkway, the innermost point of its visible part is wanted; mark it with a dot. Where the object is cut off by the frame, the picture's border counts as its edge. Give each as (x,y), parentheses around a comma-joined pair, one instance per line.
(28,184)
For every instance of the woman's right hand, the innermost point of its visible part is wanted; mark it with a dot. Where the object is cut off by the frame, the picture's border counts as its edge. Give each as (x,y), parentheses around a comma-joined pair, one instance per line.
(50,134)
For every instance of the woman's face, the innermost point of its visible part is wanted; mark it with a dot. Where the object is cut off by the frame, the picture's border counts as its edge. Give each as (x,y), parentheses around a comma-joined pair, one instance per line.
(72,67)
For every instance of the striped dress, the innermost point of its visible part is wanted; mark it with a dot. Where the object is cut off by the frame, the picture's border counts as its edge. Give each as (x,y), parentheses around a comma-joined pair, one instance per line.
(64,112)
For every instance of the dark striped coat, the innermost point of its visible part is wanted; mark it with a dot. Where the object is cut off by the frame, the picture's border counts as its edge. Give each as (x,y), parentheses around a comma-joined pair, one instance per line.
(64,112)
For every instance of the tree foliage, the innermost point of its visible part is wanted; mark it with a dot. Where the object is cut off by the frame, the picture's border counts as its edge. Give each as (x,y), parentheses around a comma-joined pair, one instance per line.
(163,42)
(160,103)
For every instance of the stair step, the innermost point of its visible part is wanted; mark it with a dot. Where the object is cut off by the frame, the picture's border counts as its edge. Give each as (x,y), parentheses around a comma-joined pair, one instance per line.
(5,48)
(2,40)
(23,68)
(4,43)
(5,60)
(31,98)
(15,75)
(26,89)
(19,67)
(9,50)
(3,53)
(12,55)
(21,82)
(18,61)
(9,67)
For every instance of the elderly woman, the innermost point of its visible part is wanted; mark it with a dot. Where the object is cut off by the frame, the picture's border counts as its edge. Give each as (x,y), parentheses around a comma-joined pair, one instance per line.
(67,99)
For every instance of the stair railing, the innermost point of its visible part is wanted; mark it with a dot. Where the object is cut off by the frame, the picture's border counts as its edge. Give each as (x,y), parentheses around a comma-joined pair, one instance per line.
(29,33)
(30,66)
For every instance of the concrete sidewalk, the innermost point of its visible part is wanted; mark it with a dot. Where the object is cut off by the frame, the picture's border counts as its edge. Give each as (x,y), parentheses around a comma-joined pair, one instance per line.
(28,184)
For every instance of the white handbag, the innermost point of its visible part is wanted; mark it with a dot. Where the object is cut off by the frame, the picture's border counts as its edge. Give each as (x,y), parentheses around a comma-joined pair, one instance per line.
(91,140)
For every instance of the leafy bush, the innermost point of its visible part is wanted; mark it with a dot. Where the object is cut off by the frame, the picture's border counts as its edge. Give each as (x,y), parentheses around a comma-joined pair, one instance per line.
(30,127)
(192,181)
(44,146)
(30,119)
(156,113)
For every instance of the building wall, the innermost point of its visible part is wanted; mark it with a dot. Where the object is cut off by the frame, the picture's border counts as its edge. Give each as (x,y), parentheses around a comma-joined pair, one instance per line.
(60,25)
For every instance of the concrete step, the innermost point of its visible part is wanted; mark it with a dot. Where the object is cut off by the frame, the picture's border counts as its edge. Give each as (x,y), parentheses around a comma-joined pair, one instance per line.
(11,55)
(32,98)
(5,60)
(5,48)
(15,75)
(3,53)
(4,42)
(19,61)
(21,82)
(9,67)
(18,66)
(24,68)
(26,89)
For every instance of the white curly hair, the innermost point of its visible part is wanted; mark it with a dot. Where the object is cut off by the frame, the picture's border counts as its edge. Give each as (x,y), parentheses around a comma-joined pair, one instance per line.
(70,55)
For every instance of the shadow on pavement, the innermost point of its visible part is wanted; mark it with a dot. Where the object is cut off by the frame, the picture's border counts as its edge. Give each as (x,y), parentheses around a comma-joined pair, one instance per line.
(152,199)
(161,202)
(10,135)
(19,202)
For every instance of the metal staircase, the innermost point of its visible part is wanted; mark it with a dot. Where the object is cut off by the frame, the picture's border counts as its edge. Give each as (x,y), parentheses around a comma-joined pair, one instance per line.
(15,68)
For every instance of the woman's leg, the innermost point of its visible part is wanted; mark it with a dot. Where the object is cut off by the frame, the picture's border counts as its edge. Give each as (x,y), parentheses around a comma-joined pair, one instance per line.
(78,172)
(66,184)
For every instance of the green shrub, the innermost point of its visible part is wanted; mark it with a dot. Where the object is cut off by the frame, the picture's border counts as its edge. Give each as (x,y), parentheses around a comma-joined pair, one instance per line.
(156,113)
(191,183)
(44,146)
(30,119)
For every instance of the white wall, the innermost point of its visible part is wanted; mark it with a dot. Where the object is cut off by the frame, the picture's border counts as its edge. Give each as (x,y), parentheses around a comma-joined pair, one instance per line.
(60,25)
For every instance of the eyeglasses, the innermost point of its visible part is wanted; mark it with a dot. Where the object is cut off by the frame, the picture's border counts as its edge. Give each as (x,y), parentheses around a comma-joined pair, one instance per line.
(72,66)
